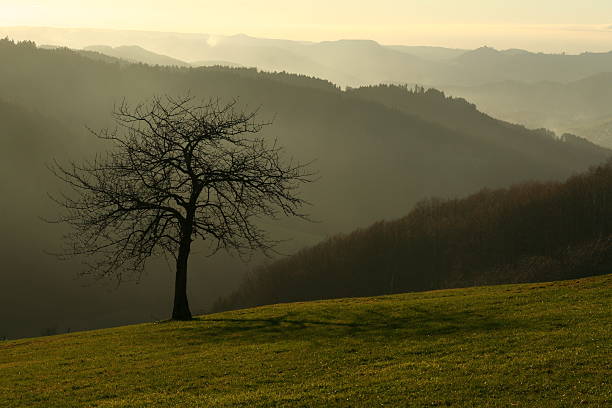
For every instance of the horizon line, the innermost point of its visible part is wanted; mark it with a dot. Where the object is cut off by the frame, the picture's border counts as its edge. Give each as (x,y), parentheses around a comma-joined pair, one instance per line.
(566,27)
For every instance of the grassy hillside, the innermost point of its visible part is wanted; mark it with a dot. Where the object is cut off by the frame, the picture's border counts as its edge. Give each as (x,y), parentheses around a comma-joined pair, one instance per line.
(528,345)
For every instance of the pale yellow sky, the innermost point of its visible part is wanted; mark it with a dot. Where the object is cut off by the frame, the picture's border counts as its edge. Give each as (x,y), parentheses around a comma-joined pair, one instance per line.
(540,25)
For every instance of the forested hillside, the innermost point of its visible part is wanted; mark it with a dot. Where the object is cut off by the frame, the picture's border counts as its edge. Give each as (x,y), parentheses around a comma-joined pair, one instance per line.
(375,159)
(526,233)
(580,107)
(463,116)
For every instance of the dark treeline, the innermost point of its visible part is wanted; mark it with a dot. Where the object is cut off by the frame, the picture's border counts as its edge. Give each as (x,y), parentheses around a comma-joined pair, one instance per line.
(528,232)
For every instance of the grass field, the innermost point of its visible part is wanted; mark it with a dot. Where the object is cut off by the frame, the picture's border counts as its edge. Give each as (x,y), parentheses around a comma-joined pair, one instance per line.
(533,345)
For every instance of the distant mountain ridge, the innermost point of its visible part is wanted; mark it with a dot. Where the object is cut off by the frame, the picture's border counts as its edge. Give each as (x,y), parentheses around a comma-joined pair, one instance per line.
(430,53)
(344,62)
(137,55)
(134,53)
(213,63)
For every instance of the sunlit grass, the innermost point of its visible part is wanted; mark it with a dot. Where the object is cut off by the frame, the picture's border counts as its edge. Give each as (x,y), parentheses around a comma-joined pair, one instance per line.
(539,345)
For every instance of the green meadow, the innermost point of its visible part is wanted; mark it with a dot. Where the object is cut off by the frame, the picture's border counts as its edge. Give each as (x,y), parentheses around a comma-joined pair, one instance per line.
(529,345)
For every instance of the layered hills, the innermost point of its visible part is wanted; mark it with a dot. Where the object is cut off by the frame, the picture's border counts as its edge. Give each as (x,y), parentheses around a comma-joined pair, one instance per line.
(378,151)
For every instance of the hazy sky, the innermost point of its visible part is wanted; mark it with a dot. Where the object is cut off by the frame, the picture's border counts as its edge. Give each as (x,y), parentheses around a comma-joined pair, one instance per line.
(546,25)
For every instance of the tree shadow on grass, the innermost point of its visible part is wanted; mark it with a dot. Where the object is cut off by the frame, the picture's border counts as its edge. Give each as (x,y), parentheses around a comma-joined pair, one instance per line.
(380,323)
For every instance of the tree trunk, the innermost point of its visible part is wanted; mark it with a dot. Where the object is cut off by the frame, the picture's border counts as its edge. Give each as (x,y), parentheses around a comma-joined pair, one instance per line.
(181,305)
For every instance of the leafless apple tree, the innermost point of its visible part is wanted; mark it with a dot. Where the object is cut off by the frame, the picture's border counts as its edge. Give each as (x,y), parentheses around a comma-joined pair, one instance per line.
(178,170)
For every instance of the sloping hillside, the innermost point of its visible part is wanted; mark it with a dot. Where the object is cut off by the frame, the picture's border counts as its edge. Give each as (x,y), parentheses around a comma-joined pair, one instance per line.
(578,107)
(597,130)
(530,232)
(134,53)
(463,116)
(536,345)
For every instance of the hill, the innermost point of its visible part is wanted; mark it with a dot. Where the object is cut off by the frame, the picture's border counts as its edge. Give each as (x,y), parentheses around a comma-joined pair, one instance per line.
(486,65)
(529,345)
(216,64)
(133,53)
(526,233)
(577,107)
(464,117)
(430,53)
(375,161)
(597,130)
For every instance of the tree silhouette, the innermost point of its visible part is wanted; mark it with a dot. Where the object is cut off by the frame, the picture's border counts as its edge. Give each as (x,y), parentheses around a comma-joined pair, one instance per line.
(179,170)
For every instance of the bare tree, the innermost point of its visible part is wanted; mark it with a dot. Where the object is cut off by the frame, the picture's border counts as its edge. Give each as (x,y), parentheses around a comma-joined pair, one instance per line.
(179,170)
